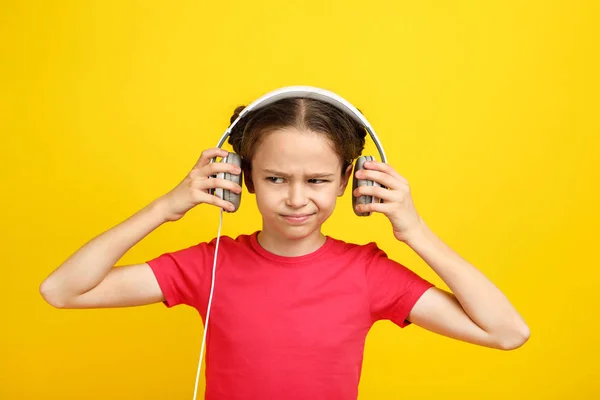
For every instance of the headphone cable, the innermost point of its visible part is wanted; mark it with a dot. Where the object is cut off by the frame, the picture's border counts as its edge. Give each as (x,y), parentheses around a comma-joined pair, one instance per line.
(210,297)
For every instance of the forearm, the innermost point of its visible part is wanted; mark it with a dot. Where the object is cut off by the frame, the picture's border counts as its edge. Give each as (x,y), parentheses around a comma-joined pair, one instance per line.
(89,265)
(481,300)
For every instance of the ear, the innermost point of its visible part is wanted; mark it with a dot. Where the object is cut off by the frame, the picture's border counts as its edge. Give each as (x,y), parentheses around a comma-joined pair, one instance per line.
(345,179)
(248,180)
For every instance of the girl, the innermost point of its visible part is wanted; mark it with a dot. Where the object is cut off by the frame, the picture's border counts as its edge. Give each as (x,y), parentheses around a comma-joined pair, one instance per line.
(293,305)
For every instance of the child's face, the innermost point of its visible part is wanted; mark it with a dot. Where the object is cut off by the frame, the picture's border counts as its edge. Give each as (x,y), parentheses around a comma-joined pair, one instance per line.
(297,179)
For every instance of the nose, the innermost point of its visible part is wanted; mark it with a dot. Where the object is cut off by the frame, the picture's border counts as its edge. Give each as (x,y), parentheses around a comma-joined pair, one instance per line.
(296,197)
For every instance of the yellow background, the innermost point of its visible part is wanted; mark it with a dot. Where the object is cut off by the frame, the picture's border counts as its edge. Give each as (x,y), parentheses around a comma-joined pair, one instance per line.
(490,109)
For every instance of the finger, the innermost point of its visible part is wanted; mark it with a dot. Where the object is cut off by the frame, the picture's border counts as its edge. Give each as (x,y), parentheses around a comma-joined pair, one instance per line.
(213,169)
(377,191)
(213,183)
(217,201)
(209,154)
(388,169)
(372,207)
(382,178)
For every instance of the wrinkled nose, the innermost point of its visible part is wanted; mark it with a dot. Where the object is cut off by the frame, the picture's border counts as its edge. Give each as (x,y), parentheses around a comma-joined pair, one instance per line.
(296,197)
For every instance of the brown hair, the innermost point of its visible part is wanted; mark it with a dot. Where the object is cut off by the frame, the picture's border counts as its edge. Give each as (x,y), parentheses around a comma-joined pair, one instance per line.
(345,134)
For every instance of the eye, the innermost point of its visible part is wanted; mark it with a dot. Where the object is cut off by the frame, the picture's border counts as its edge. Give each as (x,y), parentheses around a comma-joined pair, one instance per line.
(274,179)
(318,181)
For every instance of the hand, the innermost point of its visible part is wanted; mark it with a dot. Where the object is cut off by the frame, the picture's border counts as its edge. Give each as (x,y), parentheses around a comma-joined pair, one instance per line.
(195,188)
(397,202)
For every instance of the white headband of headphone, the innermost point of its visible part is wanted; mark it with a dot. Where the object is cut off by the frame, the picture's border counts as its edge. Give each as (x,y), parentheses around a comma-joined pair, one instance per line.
(311,93)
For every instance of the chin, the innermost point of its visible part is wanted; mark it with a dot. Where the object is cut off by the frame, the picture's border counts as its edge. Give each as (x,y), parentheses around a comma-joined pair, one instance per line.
(296,232)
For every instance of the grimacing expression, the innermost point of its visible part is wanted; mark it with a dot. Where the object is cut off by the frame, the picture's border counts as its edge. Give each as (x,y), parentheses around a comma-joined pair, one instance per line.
(296,177)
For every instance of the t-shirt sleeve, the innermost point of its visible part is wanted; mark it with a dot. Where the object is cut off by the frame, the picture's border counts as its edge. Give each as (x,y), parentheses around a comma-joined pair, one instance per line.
(393,288)
(182,274)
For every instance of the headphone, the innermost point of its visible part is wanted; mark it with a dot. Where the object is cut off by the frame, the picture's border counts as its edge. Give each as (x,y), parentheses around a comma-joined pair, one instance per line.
(309,93)
(233,158)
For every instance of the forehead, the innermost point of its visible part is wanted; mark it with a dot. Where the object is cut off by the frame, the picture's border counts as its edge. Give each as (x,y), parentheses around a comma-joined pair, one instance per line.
(291,149)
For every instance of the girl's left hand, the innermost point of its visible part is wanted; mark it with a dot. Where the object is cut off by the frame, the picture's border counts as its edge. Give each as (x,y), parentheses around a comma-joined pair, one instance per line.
(397,203)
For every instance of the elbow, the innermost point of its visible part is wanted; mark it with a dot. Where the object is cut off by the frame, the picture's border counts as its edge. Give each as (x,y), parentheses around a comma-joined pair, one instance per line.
(50,296)
(515,339)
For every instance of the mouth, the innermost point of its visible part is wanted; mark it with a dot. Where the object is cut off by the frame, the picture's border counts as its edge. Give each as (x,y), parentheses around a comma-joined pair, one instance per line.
(297,218)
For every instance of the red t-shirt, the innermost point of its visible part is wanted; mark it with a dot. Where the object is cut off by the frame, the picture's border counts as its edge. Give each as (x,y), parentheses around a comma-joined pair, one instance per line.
(287,327)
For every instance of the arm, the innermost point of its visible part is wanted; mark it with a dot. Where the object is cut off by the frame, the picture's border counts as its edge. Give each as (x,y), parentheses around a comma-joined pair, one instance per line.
(477,312)
(87,279)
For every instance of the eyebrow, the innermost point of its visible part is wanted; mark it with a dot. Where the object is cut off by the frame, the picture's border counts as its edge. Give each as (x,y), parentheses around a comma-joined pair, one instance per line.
(315,175)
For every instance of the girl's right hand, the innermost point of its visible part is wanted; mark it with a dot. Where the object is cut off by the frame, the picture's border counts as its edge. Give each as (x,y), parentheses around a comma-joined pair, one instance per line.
(195,188)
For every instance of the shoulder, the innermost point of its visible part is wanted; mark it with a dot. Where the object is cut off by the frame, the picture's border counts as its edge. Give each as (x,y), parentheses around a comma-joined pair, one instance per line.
(240,241)
(207,248)
(366,252)
(235,247)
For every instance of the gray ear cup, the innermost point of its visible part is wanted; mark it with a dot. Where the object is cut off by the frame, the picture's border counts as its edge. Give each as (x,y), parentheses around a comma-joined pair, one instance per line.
(362,182)
(225,194)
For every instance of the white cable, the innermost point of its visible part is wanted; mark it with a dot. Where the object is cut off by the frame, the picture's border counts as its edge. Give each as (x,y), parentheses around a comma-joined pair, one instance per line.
(210,297)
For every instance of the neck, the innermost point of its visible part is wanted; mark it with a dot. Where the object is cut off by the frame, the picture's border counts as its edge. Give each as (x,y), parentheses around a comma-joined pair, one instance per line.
(276,243)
